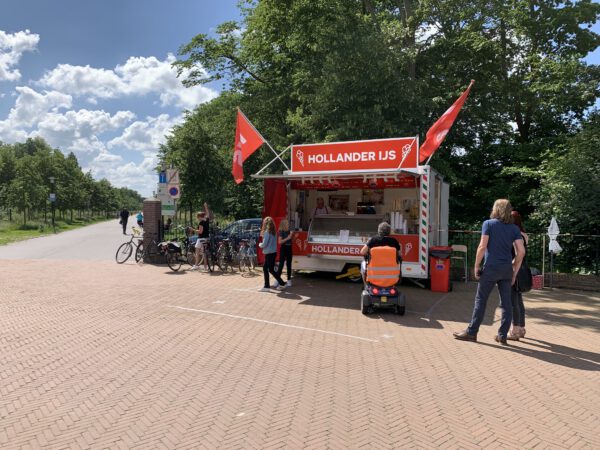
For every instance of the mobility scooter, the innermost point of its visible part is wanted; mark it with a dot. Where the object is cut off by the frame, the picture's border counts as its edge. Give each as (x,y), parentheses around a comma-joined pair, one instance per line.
(382,273)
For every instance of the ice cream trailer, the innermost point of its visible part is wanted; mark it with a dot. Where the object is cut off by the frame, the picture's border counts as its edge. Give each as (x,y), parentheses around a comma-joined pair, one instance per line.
(335,195)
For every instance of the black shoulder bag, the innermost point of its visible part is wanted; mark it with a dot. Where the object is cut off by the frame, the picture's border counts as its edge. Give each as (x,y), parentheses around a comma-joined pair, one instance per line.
(524,280)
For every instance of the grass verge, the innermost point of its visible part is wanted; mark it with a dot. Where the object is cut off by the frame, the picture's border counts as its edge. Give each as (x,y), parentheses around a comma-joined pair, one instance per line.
(13,232)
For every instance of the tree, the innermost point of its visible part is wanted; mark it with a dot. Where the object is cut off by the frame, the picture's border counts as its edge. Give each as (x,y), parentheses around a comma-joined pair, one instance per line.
(324,70)
(25,191)
(570,183)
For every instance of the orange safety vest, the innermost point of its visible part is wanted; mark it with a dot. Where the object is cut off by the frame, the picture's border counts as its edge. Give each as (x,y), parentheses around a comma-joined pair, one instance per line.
(383,269)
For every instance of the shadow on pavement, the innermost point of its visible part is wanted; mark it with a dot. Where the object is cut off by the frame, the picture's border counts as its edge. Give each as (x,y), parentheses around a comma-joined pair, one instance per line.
(424,309)
(553,354)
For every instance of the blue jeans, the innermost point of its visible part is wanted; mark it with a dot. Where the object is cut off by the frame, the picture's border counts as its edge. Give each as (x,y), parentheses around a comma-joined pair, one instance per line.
(491,276)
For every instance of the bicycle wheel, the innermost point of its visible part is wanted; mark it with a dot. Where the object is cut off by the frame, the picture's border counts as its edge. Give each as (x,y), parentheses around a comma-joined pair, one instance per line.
(234,260)
(124,252)
(211,261)
(243,261)
(191,255)
(174,261)
(139,252)
(222,259)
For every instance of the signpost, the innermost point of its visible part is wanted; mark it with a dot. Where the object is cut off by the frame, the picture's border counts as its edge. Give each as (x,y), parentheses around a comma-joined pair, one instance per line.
(168,191)
(52,198)
(168,206)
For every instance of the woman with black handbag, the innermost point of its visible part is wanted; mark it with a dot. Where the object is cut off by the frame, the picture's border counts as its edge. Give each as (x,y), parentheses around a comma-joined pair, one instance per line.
(518,328)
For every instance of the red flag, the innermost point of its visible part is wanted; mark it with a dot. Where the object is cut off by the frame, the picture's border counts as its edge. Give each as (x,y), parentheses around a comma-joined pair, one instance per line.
(247,141)
(439,130)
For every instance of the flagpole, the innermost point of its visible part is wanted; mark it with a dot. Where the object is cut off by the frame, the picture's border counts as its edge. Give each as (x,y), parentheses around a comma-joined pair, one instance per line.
(263,138)
(272,161)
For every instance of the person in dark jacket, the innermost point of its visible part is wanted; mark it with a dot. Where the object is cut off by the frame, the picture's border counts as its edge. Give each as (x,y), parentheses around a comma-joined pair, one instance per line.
(124,214)
(498,237)
(285,251)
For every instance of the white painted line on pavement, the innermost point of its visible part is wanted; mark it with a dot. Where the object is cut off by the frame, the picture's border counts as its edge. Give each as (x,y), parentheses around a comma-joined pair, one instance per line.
(253,319)
(219,302)
(273,291)
(430,310)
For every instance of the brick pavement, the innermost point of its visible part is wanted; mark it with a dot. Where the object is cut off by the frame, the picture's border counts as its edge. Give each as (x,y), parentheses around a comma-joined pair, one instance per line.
(94,355)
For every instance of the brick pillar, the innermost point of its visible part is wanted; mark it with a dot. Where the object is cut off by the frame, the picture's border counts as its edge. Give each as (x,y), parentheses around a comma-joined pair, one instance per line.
(152,218)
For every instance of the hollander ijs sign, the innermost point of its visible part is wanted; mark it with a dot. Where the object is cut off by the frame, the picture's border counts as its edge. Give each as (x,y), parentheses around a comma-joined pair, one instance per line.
(355,156)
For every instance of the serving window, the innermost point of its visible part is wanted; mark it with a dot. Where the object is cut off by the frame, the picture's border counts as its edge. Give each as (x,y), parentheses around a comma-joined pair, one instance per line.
(341,228)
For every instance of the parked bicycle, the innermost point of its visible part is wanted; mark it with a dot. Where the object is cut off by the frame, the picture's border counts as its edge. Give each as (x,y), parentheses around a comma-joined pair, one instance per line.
(209,255)
(126,248)
(227,257)
(184,252)
(247,255)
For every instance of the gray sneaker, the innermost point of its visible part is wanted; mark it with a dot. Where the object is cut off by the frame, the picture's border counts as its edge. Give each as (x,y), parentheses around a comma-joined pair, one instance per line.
(289,283)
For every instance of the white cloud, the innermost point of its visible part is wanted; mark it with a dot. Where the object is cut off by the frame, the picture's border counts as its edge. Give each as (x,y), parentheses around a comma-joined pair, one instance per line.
(12,47)
(139,76)
(30,107)
(80,131)
(145,135)
(141,177)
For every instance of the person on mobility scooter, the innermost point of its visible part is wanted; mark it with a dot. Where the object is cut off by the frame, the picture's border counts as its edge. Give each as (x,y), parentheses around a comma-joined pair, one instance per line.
(381,271)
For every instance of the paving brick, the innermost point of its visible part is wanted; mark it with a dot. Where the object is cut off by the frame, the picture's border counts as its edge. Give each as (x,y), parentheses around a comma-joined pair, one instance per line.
(94,355)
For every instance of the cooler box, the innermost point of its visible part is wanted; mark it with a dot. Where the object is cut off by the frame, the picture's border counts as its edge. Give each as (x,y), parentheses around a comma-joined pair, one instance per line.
(439,268)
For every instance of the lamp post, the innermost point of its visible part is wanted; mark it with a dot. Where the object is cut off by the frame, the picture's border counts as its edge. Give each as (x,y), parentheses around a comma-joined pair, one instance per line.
(52,201)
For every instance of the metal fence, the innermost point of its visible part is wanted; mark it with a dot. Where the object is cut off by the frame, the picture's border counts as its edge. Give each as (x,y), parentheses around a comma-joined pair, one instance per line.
(580,254)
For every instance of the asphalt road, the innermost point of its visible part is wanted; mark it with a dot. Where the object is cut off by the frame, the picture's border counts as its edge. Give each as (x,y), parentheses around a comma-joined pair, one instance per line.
(98,242)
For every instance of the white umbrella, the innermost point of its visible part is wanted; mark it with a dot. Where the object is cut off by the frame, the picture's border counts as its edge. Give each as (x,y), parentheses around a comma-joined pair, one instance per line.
(553,233)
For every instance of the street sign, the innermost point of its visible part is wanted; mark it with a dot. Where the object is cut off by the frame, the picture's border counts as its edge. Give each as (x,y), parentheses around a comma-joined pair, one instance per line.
(172,176)
(168,203)
(162,177)
(52,197)
(174,191)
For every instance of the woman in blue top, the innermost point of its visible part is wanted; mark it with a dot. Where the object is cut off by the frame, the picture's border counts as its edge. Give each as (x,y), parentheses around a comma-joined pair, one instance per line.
(498,236)
(269,247)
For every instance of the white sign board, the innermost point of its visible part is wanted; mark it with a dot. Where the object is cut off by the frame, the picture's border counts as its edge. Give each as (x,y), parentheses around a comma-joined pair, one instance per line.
(172,176)
(168,203)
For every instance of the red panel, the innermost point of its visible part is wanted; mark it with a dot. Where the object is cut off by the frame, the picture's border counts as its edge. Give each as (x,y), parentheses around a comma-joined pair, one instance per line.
(410,246)
(378,154)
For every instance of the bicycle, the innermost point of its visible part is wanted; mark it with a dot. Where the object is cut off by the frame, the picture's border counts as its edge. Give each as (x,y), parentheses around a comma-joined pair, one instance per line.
(208,258)
(126,248)
(247,254)
(142,252)
(226,256)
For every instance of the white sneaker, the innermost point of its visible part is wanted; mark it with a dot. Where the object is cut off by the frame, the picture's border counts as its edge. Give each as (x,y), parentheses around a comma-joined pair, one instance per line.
(194,267)
(264,290)
(289,283)
(281,287)
(275,286)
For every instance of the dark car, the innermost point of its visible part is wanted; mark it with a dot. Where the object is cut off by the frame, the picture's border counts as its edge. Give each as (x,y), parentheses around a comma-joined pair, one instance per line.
(241,229)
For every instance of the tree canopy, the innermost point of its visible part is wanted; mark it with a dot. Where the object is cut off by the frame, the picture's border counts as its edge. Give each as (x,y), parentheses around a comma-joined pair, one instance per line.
(30,171)
(328,70)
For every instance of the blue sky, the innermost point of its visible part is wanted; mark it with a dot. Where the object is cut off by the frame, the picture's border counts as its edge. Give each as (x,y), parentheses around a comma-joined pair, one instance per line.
(94,77)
